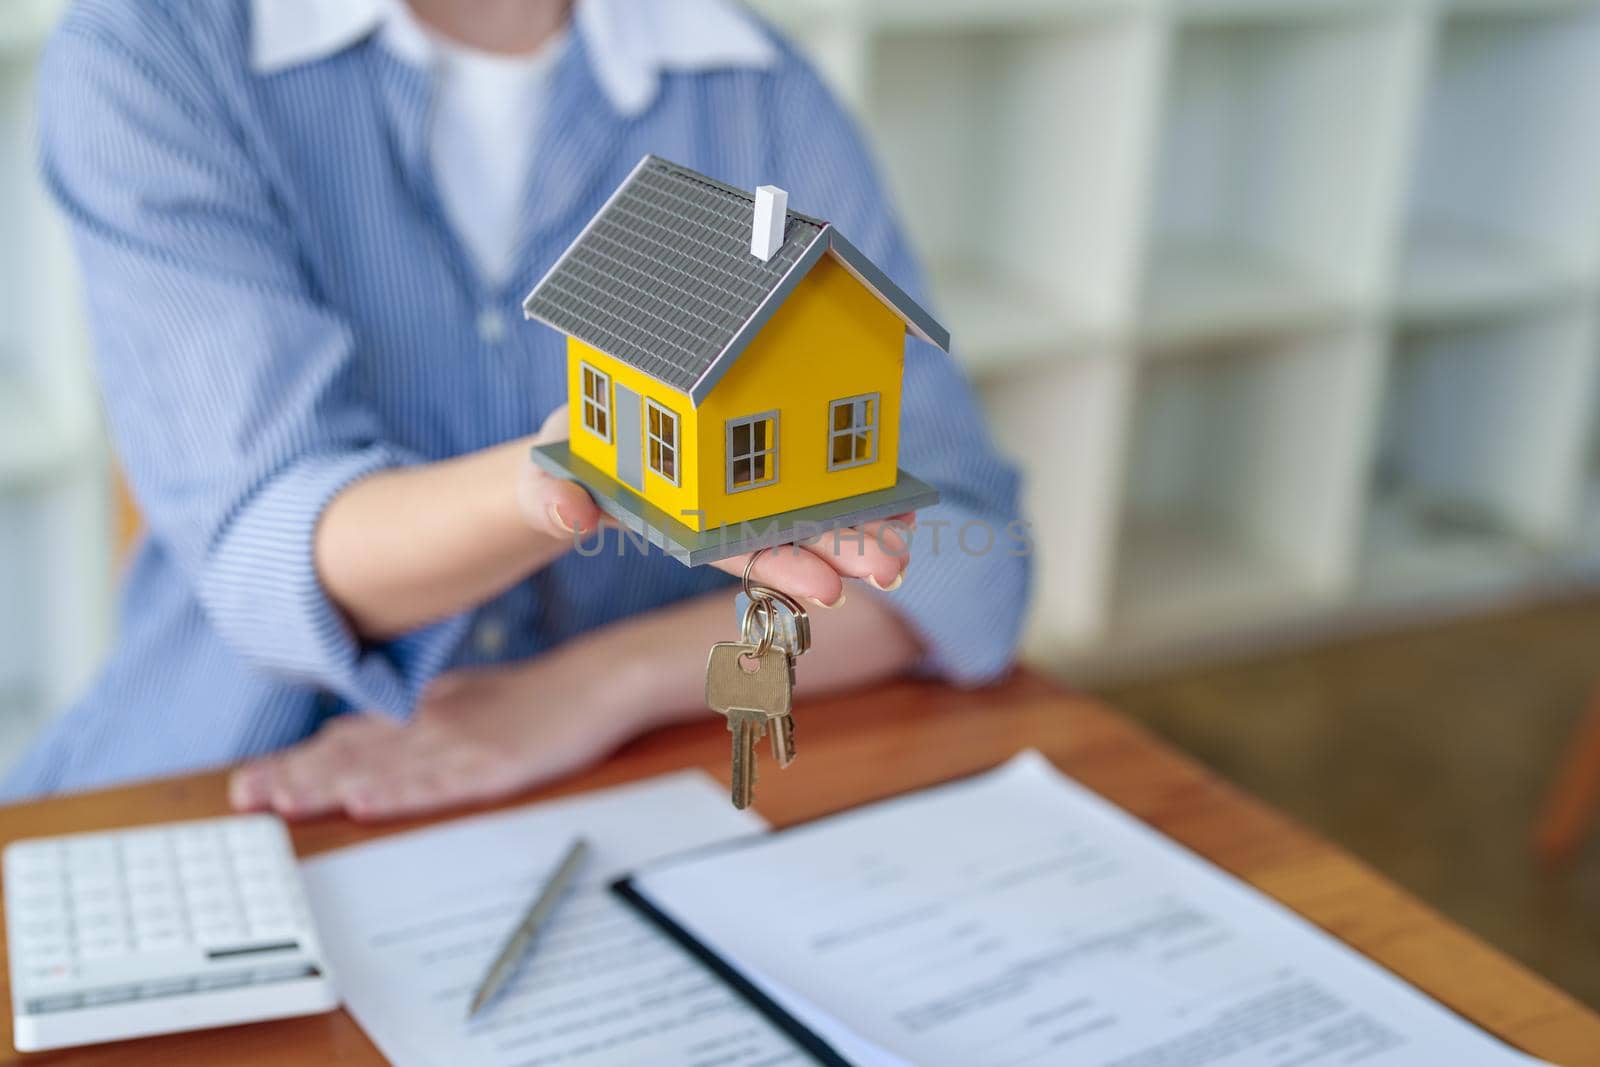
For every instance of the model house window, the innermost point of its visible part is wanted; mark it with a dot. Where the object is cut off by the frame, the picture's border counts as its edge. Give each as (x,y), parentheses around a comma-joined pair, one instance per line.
(752,451)
(663,435)
(596,403)
(852,431)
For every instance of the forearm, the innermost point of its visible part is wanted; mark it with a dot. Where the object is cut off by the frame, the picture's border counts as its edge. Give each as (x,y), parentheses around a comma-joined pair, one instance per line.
(403,548)
(658,660)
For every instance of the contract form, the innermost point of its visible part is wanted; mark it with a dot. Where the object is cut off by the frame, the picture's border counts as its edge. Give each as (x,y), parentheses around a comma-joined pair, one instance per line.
(410,922)
(1017,919)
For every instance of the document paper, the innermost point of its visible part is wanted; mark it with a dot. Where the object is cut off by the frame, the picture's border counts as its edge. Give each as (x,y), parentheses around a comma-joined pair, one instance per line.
(410,923)
(1018,918)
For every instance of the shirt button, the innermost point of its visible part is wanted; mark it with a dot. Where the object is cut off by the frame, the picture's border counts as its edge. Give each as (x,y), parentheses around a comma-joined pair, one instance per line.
(491,326)
(489,637)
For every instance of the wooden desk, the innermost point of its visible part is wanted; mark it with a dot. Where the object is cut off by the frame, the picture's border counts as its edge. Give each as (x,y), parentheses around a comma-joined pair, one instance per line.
(865,747)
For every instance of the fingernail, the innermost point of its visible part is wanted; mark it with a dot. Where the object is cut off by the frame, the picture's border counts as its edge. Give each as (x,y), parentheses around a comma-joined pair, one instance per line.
(555,517)
(247,789)
(872,580)
(818,602)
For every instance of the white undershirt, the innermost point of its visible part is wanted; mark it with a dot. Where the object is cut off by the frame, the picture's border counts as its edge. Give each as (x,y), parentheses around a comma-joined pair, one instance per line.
(487,112)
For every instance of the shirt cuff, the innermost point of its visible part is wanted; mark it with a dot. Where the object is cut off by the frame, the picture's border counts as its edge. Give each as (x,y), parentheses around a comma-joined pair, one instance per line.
(965,593)
(262,592)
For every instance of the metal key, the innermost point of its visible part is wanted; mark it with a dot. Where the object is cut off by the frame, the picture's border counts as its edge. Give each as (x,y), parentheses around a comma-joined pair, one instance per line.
(752,688)
(790,629)
(746,726)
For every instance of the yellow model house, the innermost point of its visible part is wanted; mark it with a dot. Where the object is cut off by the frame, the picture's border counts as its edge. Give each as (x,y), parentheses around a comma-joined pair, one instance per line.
(734,368)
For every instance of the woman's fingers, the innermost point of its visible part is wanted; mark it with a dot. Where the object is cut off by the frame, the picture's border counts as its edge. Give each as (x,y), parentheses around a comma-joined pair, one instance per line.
(307,777)
(424,778)
(797,571)
(305,781)
(250,787)
(554,506)
(876,552)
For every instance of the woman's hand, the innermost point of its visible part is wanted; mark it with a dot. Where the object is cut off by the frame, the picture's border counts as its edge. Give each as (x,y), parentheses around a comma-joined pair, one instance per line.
(485,733)
(402,548)
(877,553)
(477,735)
(550,505)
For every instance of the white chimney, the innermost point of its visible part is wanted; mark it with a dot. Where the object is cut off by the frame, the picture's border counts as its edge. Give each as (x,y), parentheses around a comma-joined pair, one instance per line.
(766,231)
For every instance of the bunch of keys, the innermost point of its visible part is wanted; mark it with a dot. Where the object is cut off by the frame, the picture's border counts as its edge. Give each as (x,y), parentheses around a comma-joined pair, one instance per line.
(751,681)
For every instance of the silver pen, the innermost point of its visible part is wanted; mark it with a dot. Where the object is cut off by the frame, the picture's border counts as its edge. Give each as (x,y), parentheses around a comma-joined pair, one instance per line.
(538,912)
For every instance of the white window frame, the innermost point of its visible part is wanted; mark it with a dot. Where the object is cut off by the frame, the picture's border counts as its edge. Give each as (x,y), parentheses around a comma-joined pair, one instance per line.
(771,451)
(591,405)
(857,426)
(653,438)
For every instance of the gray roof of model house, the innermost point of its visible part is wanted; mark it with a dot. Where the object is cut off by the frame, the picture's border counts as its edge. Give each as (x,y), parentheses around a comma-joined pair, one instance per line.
(663,278)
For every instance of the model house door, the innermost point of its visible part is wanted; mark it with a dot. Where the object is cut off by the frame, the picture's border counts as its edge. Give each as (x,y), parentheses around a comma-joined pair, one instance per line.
(630,450)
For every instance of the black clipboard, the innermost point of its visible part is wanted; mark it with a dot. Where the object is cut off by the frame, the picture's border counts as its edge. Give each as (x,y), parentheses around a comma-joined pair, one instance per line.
(803,1036)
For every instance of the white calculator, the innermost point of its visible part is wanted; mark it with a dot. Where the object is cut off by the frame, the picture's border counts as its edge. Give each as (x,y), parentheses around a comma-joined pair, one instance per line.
(158,929)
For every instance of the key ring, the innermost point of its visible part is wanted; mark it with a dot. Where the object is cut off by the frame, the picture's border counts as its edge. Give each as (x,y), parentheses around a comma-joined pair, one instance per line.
(749,565)
(757,591)
(759,607)
(763,603)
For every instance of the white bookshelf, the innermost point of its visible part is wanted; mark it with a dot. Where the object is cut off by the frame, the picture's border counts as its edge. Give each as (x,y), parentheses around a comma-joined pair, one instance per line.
(1287,307)
(55,526)
(949,98)
(1276,164)
(1481,464)
(1502,207)
(1238,491)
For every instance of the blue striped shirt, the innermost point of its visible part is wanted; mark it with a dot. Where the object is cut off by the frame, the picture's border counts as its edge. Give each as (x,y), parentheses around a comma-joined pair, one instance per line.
(280,308)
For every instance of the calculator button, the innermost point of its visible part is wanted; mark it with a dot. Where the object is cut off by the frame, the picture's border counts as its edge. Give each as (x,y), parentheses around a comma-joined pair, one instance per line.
(57,969)
(211,905)
(220,933)
(272,928)
(102,948)
(91,852)
(99,921)
(160,940)
(227,980)
(61,1002)
(284,972)
(111,995)
(157,911)
(96,895)
(43,930)
(167,987)
(40,903)
(147,852)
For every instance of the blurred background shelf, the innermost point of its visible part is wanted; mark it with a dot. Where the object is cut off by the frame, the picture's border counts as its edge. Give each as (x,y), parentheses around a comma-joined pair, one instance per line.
(1198,295)
(40,442)
(1242,482)
(1004,326)
(24,26)
(1279,145)
(1026,143)
(55,527)
(1502,199)
(1276,302)
(1449,274)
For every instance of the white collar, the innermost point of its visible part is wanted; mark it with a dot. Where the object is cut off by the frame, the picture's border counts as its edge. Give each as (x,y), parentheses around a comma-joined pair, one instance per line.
(630,42)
